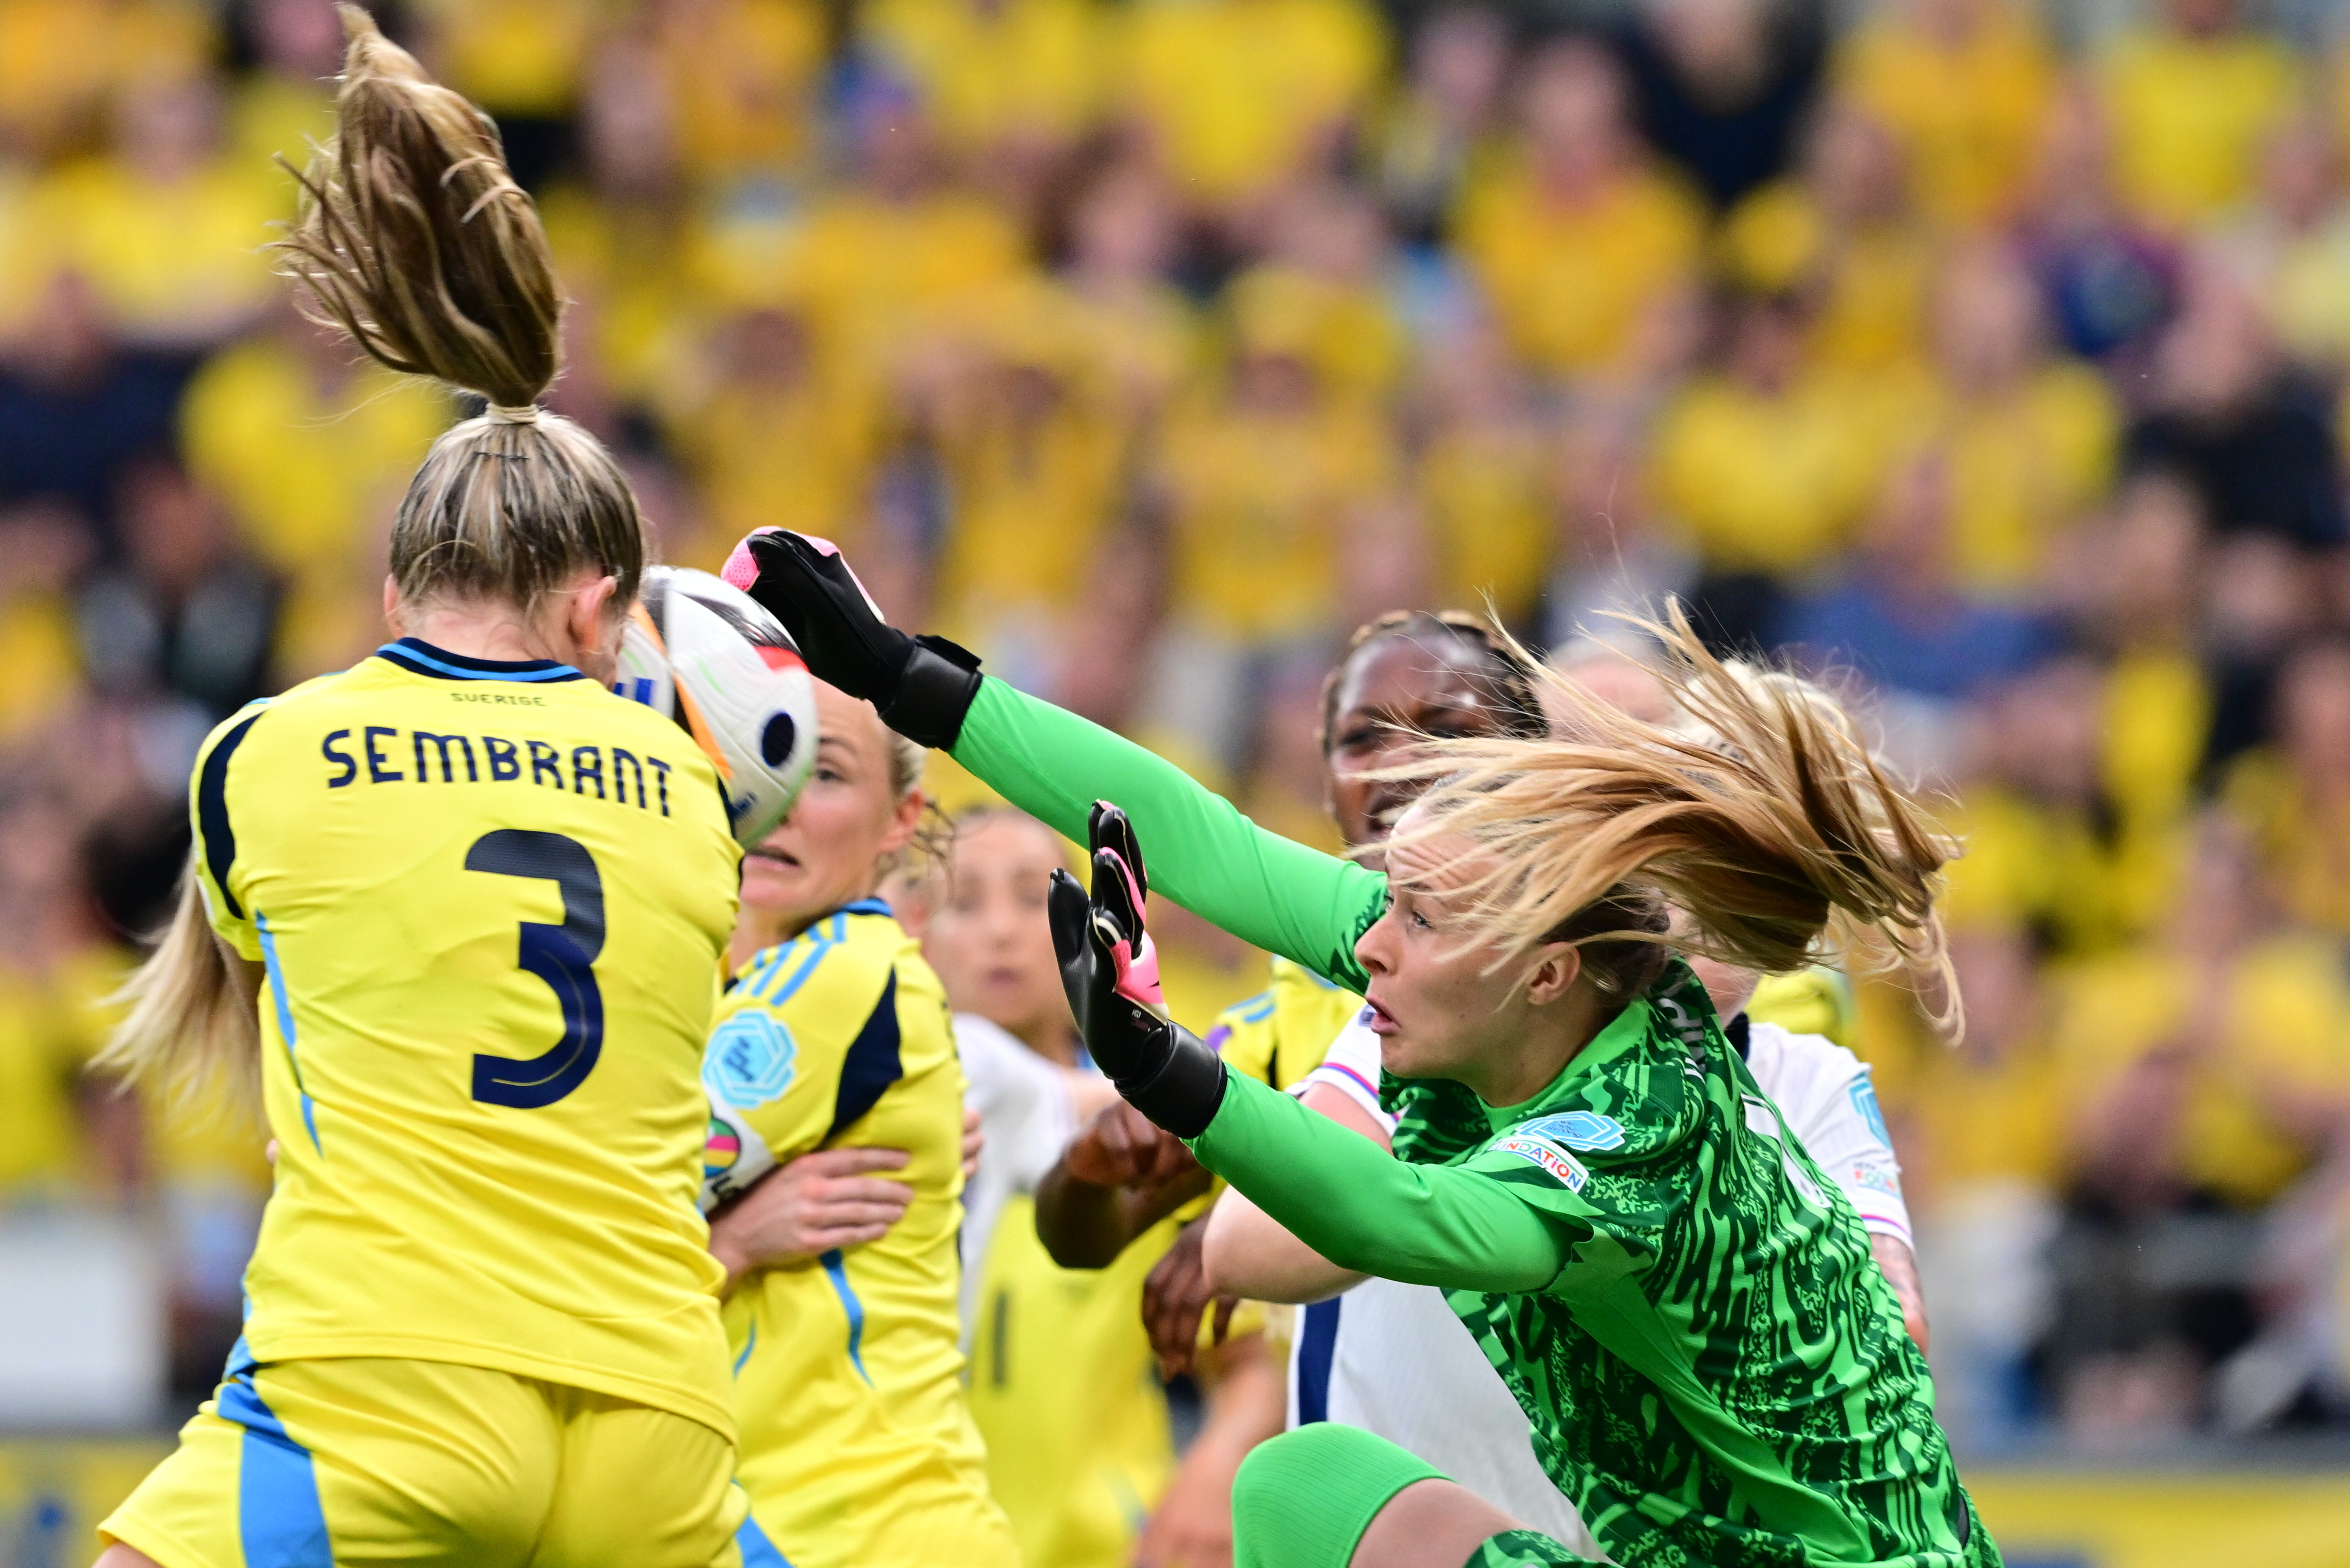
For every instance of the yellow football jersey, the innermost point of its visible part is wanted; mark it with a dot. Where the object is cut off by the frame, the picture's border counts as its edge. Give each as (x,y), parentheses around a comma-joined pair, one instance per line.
(858,1446)
(1281,1034)
(1066,1393)
(491,898)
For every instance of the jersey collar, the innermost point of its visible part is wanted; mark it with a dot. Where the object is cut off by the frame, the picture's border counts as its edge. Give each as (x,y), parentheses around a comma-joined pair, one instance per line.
(1624,1032)
(866,906)
(419,656)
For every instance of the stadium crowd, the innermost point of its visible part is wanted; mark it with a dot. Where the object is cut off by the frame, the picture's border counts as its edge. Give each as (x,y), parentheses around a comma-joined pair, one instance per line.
(1992,356)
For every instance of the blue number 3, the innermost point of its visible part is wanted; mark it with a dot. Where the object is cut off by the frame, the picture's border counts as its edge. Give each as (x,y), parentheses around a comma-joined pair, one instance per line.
(559,955)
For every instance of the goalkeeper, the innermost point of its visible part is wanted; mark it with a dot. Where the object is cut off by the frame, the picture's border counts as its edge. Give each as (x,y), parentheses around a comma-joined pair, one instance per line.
(1686,1309)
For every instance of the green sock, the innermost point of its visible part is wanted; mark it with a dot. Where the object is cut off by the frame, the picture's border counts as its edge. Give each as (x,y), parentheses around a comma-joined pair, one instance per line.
(1303,1499)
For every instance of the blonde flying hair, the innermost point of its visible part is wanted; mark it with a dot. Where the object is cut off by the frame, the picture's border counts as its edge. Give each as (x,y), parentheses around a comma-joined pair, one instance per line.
(1757,812)
(415,240)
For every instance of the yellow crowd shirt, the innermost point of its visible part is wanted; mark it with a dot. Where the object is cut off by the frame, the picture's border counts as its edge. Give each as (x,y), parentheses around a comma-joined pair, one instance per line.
(2251,1116)
(1768,483)
(1260,503)
(1571,282)
(1023,73)
(857,1446)
(490,899)
(2192,117)
(1967,111)
(1233,93)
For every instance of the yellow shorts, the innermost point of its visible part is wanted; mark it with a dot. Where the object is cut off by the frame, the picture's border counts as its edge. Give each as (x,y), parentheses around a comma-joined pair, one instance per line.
(313,1464)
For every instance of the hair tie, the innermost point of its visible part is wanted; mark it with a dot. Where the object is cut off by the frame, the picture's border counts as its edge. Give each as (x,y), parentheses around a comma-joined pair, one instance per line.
(501,414)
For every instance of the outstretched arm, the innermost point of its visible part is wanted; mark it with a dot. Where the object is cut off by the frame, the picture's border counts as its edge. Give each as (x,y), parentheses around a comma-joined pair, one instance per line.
(1366,1211)
(1263,889)
(1054,765)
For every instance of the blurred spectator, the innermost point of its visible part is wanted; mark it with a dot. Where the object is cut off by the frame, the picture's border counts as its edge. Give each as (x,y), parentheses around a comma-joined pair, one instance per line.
(60,58)
(2294,795)
(2291,248)
(623,218)
(309,447)
(60,1138)
(1901,616)
(1121,247)
(168,229)
(1263,468)
(1573,237)
(1236,98)
(75,404)
(522,62)
(770,434)
(1014,84)
(2229,416)
(2206,1073)
(2144,607)
(1486,476)
(1842,232)
(287,103)
(1767,465)
(744,78)
(45,544)
(2031,438)
(2049,853)
(2109,278)
(1037,453)
(1722,84)
(1443,121)
(1616,553)
(185,616)
(2259,601)
(1965,85)
(2194,97)
(1330,251)
(899,250)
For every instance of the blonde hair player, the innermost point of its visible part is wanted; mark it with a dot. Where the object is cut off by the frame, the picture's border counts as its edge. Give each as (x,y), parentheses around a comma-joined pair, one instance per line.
(1582,1160)
(858,1447)
(459,910)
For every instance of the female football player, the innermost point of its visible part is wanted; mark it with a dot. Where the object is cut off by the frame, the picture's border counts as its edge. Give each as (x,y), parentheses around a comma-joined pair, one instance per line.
(464,910)
(1408,672)
(1674,1292)
(858,1445)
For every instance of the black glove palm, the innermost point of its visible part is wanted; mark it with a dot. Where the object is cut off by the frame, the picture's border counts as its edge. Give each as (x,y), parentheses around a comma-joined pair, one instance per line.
(1112,975)
(923,685)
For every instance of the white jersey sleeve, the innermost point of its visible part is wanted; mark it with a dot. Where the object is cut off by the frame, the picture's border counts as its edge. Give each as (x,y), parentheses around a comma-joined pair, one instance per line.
(1351,1066)
(1830,1105)
(1025,1118)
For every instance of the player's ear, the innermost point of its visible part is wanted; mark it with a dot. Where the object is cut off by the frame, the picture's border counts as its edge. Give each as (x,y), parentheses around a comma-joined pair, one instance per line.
(591,618)
(1556,966)
(391,605)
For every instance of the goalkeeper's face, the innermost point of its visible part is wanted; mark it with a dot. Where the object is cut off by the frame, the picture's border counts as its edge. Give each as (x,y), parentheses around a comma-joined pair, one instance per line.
(1448,998)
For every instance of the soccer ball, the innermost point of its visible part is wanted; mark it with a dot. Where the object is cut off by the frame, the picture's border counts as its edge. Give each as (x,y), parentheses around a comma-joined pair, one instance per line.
(704,652)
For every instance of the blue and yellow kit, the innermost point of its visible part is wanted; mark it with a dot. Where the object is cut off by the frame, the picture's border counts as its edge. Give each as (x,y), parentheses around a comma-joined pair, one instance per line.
(490,898)
(1281,1034)
(858,1446)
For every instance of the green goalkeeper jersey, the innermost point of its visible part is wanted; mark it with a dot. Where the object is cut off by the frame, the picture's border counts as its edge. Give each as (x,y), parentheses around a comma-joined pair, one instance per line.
(1685,1308)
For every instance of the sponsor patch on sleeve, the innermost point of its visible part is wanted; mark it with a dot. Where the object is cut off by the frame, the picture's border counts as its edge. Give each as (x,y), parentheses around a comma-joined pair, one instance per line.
(1578,1130)
(1559,1165)
(1878,1178)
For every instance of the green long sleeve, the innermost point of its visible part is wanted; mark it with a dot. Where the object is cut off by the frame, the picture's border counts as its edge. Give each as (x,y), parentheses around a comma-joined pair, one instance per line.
(1365,1209)
(1199,850)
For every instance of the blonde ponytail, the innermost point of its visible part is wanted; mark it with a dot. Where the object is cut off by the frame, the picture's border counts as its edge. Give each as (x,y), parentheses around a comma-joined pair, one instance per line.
(191,1026)
(415,241)
(1757,810)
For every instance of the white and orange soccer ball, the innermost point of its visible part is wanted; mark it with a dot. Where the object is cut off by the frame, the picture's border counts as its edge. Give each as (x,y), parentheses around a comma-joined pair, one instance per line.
(704,653)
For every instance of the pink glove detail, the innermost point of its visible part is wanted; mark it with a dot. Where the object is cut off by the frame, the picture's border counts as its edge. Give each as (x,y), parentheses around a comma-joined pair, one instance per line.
(741,568)
(1138,971)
